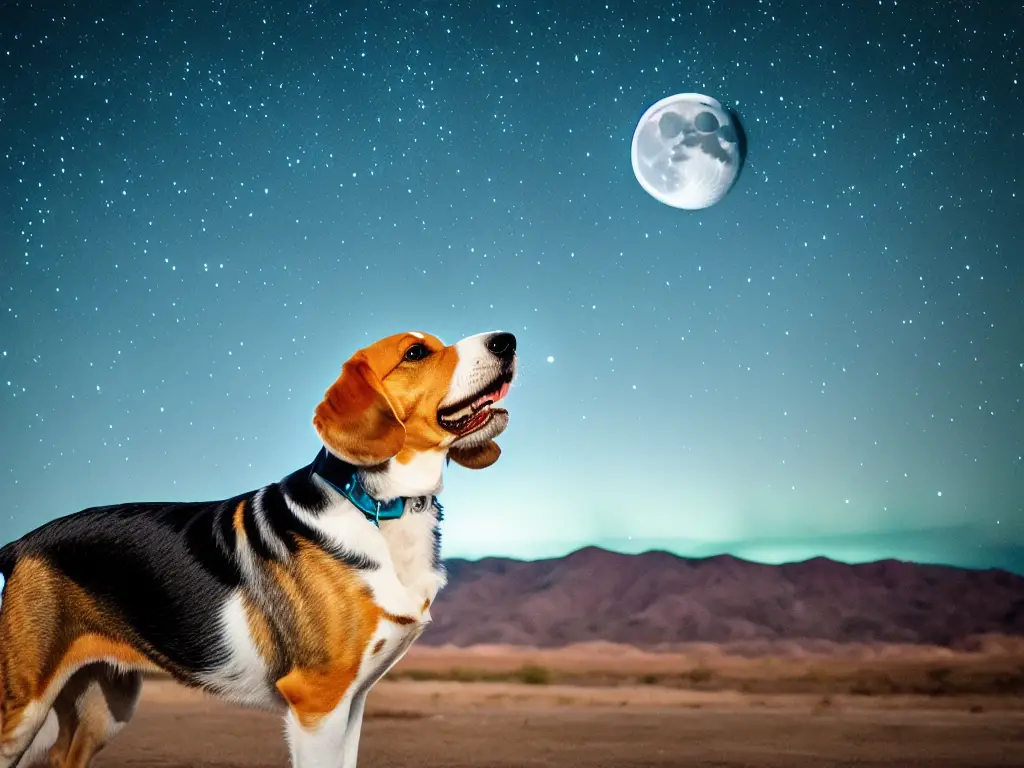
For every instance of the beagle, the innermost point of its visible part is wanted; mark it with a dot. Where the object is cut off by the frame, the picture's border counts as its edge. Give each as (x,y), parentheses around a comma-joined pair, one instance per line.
(297,597)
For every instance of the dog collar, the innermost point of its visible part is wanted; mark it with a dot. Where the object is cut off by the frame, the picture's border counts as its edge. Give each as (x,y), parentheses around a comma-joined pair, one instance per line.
(343,478)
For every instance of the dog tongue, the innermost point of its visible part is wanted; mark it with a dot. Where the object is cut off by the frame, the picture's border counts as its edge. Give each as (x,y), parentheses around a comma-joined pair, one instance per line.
(475,421)
(492,397)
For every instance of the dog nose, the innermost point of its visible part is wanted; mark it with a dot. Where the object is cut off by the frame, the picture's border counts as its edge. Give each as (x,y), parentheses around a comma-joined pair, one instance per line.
(502,344)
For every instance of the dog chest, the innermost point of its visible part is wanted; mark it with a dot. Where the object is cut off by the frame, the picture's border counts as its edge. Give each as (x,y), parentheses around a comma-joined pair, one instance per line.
(413,542)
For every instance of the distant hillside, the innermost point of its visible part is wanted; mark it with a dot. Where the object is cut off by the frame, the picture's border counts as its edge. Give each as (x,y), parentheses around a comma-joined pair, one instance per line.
(659,598)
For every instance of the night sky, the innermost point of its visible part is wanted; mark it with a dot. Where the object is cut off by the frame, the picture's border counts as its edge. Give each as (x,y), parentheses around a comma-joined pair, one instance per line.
(206,210)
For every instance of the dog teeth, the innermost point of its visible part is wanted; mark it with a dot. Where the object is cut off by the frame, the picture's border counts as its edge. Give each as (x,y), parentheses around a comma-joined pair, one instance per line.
(460,414)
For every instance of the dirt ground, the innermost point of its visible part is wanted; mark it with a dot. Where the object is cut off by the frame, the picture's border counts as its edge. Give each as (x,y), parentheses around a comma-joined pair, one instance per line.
(440,723)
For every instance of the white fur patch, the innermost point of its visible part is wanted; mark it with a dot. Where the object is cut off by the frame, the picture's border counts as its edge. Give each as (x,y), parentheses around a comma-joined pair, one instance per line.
(44,739)
(410,541)
(475,368)
(2,582)
(321,745)
(243,679)
(420,477)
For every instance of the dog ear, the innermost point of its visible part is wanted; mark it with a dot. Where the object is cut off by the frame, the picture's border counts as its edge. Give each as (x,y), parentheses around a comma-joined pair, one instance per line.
(355,419)
(477,457)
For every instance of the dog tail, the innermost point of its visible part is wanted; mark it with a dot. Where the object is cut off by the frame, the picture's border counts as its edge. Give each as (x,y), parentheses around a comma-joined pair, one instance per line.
(7,560)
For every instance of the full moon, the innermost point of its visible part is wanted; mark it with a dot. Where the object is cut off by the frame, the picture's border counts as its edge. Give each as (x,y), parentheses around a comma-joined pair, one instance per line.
(687,151)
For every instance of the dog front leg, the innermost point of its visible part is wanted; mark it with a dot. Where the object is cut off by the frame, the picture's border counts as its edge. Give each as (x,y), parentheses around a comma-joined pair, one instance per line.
(355,728)
(321,744)
(317,725)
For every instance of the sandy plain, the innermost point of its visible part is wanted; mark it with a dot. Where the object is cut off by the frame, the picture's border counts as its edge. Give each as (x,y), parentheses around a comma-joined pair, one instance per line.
(605,705)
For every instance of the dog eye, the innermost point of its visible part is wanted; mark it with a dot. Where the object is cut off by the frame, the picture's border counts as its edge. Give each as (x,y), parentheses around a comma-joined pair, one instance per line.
(416,352)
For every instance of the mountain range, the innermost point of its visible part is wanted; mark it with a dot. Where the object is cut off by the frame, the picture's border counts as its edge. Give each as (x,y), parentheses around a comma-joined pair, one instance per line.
(658,599)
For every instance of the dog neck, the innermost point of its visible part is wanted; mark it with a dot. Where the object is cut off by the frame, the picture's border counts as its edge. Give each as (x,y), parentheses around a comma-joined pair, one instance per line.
(381,492)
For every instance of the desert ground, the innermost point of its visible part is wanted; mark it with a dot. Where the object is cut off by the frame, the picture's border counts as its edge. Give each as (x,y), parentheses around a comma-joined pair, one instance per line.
(614,706)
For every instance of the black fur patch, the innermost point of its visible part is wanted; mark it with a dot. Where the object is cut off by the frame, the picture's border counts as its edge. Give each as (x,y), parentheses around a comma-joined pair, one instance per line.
(253,534)
(225,534)
(300,488)
(7,559)
(438,518)
(156,566)
(285,525)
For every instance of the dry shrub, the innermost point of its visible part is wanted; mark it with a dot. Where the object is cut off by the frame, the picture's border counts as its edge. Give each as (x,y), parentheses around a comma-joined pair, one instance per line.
(394,714)
(532,674)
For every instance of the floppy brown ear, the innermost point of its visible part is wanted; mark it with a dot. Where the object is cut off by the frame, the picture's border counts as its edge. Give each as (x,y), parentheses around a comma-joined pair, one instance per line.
(477,457)
(355,420)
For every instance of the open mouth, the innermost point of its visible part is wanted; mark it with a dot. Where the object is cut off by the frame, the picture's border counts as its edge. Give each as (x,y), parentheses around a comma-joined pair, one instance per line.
(476,410)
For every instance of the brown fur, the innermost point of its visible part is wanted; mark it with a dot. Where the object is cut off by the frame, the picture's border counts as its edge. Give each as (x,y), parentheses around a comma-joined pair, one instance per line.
(49,629)
(356,418)
(335,618)
(238,520)
(477,457)
(384,407)
(261,632)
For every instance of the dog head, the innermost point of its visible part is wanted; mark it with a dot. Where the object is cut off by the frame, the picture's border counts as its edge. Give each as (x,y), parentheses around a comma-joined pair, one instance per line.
(409,400)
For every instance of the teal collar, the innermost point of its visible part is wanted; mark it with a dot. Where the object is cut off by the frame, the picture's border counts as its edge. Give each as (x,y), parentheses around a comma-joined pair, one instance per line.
(343,478)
